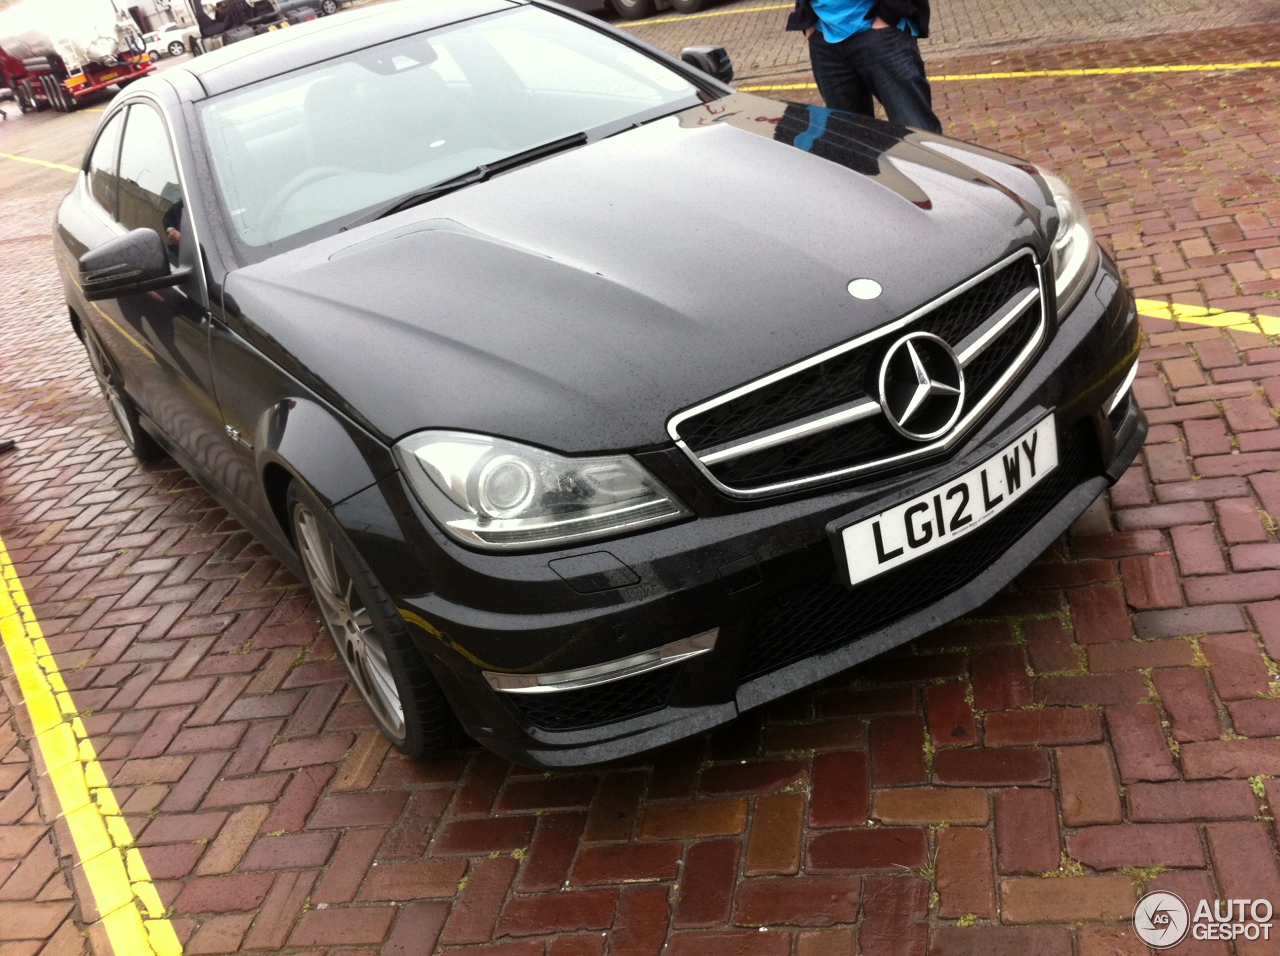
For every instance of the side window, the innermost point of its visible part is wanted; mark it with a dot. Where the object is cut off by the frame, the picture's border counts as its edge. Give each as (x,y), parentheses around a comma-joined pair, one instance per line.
(150,196)
(102,165)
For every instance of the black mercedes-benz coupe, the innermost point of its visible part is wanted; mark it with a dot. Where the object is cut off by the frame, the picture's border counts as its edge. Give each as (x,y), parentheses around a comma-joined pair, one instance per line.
(596,401)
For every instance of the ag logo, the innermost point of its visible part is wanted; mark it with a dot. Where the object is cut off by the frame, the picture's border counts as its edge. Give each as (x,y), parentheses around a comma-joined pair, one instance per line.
(1161,919)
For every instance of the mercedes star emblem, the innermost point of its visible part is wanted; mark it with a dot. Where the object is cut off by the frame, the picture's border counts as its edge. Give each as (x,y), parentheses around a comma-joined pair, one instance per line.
(921,386)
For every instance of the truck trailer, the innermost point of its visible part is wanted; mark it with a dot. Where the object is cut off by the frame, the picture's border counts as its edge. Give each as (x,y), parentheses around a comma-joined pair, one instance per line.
(56,52)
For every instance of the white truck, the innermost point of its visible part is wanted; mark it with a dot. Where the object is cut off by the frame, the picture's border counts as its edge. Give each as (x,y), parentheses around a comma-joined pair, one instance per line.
(56,52)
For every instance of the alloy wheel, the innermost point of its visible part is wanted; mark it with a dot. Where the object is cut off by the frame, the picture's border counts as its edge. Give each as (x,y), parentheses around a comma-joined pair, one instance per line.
(110,391)
(348,620)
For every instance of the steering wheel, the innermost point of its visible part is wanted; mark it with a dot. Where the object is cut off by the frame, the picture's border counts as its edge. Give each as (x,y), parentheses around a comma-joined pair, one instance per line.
(295,185)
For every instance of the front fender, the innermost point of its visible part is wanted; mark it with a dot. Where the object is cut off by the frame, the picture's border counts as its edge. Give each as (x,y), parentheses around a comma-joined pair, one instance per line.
(335,458)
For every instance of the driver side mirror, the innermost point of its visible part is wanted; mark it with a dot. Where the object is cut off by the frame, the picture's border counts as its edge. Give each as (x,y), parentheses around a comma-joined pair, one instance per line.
(711,60)
(128,264)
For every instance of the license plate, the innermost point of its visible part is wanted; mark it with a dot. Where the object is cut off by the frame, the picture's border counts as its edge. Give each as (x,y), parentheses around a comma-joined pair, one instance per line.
(936,518)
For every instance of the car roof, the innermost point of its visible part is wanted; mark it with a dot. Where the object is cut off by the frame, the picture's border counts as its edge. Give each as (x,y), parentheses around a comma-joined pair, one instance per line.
(281,51)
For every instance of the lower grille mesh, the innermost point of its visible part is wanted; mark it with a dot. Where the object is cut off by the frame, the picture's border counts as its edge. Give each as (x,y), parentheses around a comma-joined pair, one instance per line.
(819,617)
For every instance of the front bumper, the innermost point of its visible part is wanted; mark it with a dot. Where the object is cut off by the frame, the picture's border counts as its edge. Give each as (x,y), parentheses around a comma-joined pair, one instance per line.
(763,576)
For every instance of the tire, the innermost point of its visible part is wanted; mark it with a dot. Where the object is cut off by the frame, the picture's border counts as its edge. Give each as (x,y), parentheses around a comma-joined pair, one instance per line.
(57,94)
(370,636)
(633,9)
(177,48)
(48,101)
(688,6)
(52,92)
(123,411)
(26,100)
(328,7)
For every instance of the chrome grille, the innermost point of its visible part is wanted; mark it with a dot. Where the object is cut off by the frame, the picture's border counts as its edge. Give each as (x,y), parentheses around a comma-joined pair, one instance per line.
(820,419)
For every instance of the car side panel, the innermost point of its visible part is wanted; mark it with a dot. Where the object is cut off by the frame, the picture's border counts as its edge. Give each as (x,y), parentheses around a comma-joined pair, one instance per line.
(275,420)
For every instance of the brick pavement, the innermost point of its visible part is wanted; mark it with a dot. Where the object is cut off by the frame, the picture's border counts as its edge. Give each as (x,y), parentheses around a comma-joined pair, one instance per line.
(1004,785)
(760,47)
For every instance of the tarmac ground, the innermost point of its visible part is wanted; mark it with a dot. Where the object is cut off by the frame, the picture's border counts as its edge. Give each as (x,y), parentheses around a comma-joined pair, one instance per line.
(183,765)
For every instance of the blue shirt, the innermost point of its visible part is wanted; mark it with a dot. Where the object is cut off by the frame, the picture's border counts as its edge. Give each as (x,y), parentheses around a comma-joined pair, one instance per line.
(841,19)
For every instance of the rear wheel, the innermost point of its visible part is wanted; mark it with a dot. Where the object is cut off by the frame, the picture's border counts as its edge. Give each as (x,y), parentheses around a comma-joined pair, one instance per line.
(57,94)
(26,99)
(633,9)
(328,7)
(177,48)
(125,413)
(369,634)
(50,87)
(44,102)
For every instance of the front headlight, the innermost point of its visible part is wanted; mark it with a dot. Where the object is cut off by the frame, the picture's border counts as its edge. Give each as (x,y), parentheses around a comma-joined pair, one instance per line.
(1074,250)
(501,495)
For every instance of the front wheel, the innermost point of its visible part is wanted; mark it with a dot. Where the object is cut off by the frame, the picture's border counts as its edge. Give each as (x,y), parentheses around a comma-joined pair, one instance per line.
(125,413)
(634,9)
(369,634)
(177,48)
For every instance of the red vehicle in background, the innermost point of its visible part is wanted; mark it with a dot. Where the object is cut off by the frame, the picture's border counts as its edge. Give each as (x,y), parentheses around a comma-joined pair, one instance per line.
(56,52)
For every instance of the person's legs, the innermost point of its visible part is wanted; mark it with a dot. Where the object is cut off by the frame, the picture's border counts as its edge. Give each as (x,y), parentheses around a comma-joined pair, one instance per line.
(890,64)
(838,81)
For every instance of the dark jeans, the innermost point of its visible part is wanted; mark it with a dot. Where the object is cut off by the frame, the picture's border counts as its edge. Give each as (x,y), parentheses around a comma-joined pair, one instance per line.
(883,63)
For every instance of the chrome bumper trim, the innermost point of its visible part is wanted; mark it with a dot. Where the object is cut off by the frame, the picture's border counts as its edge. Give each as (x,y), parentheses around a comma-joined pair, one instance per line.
(1119,393)
(597,674)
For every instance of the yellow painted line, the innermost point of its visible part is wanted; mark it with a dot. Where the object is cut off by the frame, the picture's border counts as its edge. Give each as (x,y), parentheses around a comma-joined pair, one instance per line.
(772,87)
(1117,70)
(1215,318)
(132,912)
(1031,74)
(699,16)
(38,162)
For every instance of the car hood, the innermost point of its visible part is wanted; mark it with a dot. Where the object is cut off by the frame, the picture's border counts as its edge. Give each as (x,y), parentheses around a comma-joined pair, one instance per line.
(579,302)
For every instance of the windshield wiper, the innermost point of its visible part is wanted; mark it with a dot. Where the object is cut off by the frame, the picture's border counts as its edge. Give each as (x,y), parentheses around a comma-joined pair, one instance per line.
(469,178)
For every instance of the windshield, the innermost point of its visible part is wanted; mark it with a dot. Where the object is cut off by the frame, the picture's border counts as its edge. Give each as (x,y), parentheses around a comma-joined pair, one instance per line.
(300,155)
